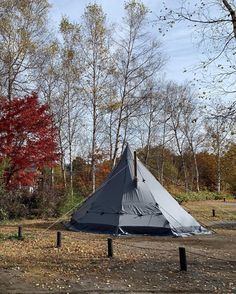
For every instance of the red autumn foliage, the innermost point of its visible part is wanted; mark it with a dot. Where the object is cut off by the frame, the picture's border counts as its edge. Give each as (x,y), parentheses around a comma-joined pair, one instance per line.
(28,139)
(103,170)
(82,176)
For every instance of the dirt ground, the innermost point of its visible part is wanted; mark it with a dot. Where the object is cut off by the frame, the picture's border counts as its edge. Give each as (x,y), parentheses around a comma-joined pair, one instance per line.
(141,264)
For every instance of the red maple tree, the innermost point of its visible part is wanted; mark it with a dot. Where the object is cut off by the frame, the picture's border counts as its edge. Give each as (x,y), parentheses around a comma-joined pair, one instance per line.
(28,139)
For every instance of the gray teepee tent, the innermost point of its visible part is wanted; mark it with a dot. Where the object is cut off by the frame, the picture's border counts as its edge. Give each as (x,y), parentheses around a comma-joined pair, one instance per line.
(132,201)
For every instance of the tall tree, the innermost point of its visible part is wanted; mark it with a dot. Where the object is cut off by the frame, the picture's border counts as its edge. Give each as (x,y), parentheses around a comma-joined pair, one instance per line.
(95,49)
(69,100)
(147,118)
(176,100)
(48,88)
(192,128)
(23,34)
(138,58)
(229,167)
(220,129)
(165,132)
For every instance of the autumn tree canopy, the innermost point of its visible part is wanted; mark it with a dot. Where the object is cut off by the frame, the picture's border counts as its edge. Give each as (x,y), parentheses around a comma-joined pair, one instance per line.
(105,85)
(28,139)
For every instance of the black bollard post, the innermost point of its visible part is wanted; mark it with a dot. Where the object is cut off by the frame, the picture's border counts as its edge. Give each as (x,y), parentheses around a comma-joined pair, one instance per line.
(20,236)
(182,259)
(58,240)
(213,212)
(109,247)
(224,199)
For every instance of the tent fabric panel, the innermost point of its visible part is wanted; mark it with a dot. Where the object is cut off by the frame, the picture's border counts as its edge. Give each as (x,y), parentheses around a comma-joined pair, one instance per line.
(138,199)
(107,198)
(170,208)
(129,220)
(92,227)
(99,218)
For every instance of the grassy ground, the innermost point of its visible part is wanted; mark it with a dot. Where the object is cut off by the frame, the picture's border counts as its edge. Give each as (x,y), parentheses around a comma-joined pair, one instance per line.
(140,264)
(202,210)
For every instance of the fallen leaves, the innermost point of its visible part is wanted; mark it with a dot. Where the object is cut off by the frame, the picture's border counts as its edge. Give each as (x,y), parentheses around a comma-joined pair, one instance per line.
(145,263)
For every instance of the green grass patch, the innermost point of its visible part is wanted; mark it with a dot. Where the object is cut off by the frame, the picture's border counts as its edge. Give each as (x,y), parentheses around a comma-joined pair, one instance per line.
(202,195)
(9,222)
(11,237)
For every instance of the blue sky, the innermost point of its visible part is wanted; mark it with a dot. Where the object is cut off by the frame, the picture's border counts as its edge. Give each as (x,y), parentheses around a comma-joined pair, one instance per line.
(177,45)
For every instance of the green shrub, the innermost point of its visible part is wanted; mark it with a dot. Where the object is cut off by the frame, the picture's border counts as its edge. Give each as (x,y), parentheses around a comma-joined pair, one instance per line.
(3,214)
(70,203)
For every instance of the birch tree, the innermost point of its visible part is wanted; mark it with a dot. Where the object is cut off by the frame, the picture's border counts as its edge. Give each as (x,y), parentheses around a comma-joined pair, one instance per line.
(48,87)
(176,99)
(193,129)
(95,47)
(138,58)
(147,118)
(23,35)
(69,100)
(221,130)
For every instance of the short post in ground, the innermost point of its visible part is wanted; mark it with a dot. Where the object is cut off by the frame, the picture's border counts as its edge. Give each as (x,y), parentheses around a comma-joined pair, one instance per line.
(182,259)
(20,235)
(213,212)
(58,243)
(109,247)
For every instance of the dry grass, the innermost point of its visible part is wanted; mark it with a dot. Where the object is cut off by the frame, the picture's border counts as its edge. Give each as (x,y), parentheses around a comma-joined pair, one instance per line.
(202,210)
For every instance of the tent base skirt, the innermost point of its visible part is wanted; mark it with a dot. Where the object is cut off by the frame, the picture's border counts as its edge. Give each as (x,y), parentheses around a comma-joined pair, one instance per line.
(133,230)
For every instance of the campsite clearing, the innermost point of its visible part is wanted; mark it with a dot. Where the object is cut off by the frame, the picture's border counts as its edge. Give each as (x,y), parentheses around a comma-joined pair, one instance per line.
(141,264)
